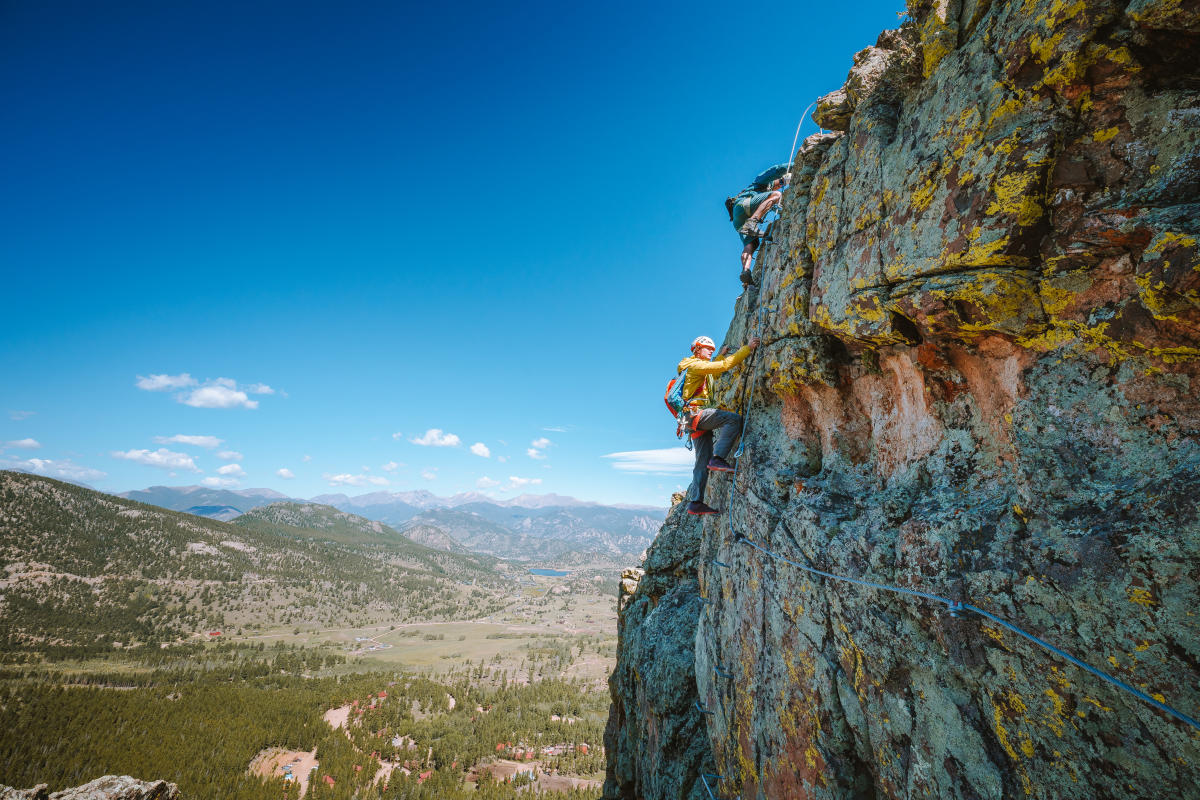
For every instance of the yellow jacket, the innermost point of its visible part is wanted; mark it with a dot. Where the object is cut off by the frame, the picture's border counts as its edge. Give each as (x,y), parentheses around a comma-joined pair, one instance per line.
(701,372)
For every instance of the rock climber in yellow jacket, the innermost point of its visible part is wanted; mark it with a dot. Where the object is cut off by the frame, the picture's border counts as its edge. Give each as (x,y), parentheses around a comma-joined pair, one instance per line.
(702,421)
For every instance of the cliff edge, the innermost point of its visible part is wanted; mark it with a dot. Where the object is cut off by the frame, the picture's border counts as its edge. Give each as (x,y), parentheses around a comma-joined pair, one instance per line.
(980,313)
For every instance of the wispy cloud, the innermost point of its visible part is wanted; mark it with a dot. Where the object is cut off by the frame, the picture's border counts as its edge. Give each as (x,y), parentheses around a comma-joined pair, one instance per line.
(231,470)
(229,455)
(161,458)
(397,436)
(65,469)
(184,438)
(220,483)
(24,444)
(518,483)
(346,479)
(391,466)
(481,449)
(17,416)
(487,483)
(306,458)
(163,383)
(555,429)
(429,474)
(668,461)
(215,393)
(537,448)
(436,437)
(285,473)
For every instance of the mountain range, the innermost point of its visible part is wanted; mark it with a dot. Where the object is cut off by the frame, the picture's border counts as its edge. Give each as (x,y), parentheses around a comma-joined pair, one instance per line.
(527,527)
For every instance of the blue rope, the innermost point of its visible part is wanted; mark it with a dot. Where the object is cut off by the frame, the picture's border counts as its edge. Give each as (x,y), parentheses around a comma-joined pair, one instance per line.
(704,776)
(956,606)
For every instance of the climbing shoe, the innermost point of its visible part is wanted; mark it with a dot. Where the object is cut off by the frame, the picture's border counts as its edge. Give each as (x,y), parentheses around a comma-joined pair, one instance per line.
(748,278)
(718,464)
(698,507)
(750,228)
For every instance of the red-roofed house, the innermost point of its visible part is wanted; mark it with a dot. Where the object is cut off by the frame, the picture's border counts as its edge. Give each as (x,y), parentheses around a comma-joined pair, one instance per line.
(424,776)
(329,780)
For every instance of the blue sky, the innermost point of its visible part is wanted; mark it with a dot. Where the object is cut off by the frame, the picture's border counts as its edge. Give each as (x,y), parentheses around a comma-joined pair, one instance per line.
(240,239)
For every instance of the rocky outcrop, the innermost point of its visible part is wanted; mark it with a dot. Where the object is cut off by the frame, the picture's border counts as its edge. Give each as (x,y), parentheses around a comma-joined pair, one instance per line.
(657,742)
(980,378)
(110,787)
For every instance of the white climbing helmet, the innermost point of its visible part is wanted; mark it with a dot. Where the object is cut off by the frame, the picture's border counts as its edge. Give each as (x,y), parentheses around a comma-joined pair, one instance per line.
(703,341)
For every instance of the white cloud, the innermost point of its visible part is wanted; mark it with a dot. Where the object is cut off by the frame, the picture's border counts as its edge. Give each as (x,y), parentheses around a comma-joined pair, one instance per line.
(435,437)
(668,461)
(229,455)
(161,383)
(397,436)
(429,474)
(65,470)
(24,444)
(391,466)
(516,483)
(502,459)
(215,393)
(184,438)
(481,449)
(555,429)
(486,483)
(161,458)
(306,458)
(346,479)
(285,473)
(537,446)
(231,469)
(220,483)
(20,415)
(218,394)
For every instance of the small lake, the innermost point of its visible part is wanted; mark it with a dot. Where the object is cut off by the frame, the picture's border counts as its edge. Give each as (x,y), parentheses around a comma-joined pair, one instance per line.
(549,573)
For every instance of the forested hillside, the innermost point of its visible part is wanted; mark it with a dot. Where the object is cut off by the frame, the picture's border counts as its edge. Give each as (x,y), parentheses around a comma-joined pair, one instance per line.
(89,571)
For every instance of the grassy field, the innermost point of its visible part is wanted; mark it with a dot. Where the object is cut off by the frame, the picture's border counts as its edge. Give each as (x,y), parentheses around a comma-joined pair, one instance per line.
(545,613)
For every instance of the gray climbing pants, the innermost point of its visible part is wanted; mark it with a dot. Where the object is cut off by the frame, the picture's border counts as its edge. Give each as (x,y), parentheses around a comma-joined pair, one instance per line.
(722,426)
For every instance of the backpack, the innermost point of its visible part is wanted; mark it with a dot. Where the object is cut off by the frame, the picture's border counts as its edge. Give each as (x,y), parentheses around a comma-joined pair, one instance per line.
(730,202)
(674,394)
(676,403)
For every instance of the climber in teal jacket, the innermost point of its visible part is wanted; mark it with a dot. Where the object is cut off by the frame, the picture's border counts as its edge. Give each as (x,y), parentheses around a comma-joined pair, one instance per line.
(748,207)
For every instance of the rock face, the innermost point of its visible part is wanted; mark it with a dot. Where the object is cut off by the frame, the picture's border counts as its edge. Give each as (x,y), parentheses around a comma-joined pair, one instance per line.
(980,379)
(657,741)
(110,787)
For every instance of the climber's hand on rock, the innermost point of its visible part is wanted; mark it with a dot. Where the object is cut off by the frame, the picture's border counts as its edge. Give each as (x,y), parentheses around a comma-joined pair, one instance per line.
(754,342)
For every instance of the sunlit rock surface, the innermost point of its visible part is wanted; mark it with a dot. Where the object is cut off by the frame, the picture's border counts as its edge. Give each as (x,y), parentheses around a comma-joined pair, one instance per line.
(981,324)
(110,787)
